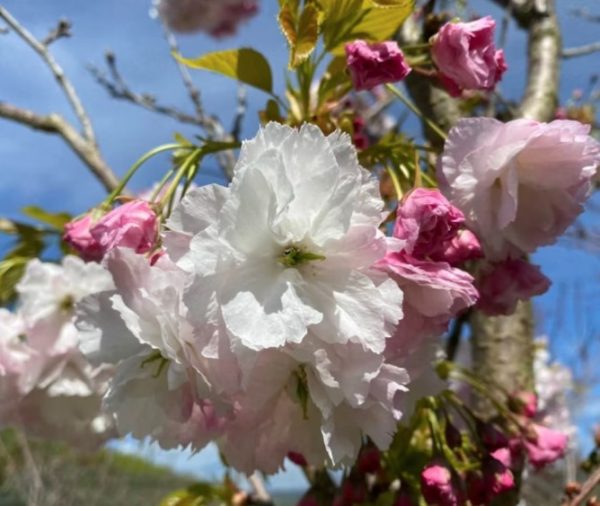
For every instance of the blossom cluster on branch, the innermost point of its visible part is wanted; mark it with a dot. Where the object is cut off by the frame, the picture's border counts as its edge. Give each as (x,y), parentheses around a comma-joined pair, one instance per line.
(297,312)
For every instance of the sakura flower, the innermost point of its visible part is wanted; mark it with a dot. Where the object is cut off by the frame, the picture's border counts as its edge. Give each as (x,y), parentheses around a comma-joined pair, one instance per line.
(132,225)
(546,446)
(285,255)
(439,488)
(47,296)
(77,235)
(504,284)
(54,392)
(520,184)
(374,64)
(292,246)
(466,56)
(216,18)
(140,328)
(427,222)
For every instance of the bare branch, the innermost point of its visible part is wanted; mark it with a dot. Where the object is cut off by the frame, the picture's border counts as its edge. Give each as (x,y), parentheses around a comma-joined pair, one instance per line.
(240,113)
(572,52)
(586,14)
(118,89)
(63,81)
(63,29)
(192,90)
(55,123)
(586,489)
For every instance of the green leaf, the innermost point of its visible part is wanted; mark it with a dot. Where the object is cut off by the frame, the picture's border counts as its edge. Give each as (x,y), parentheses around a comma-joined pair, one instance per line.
(335,82)
(245,64)
(11,271)
(371,20)
(301,32)
(55,220)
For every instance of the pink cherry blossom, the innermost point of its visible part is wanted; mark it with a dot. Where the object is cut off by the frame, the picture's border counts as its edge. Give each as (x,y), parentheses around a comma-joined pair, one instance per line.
(466,56)
(463,247)
(506,283)
(438,487)
(548,446)
(374,64)
(434,293)
(133,225)
(519,184)
(427,222)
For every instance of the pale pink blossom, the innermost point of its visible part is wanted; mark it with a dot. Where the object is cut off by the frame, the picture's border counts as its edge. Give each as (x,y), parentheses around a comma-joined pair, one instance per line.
(466,56)
(502,285)
(372,64)
(218,19)
(132,225)
(519,184)
(434,293)
(546,447)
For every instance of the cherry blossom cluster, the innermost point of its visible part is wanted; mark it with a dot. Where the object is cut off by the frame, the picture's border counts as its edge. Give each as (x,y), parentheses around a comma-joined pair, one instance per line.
(266,316)
(463,54)
(46,384)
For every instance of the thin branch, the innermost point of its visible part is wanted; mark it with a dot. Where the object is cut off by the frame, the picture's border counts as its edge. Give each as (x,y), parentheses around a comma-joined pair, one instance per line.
(240,113)
(118,89)
(56,124)
(585,14)
(83,144)
(572,52)
(453,341)
(63,29)
(193,91)
(63,81)
(586,489)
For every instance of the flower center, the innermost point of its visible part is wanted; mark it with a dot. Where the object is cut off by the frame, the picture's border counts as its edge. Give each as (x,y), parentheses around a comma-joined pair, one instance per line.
(67,303)
(292,256)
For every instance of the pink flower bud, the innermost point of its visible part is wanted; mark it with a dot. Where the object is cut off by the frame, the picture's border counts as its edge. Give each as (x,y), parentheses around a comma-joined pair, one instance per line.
(508,282)
(466,56)
(548,446)
(524,403)
(427,222)
(132,225)
(374,64)
(77,235)
(438,487)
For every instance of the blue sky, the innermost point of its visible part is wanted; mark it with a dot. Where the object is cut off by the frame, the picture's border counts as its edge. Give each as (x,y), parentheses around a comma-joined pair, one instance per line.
(39,169)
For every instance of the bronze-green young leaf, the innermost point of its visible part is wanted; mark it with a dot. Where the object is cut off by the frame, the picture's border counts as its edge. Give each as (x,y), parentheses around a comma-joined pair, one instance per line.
(301,31)
(245,64)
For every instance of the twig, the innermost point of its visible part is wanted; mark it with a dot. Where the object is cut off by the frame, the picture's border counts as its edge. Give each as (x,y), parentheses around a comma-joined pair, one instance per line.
(82,143)
(572,52)
(260,491)
(592,482)
(585,14)
(240,113)
(63,29)
(55,123)
(63,81)
(118,89)
(36,480)
(193,91)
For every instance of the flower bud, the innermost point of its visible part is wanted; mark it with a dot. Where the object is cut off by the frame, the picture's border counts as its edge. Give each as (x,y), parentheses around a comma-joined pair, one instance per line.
(373,64)
(438,486)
